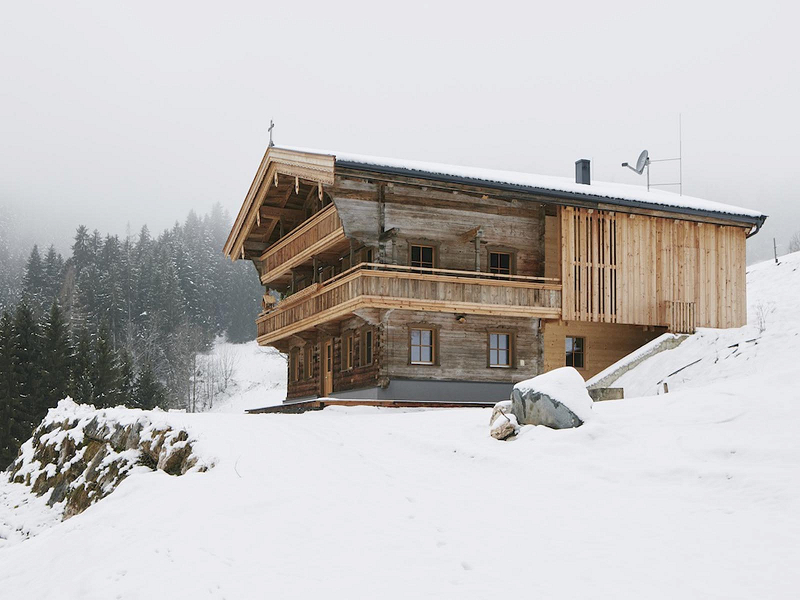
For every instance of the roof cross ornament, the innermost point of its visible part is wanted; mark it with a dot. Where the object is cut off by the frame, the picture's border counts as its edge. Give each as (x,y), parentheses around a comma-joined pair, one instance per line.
(271,127)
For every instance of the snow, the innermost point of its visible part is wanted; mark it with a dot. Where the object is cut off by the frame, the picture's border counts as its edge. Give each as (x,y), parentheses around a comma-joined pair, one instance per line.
(732,357)
(259,377)
(616,191)
(564,385)
(691,494)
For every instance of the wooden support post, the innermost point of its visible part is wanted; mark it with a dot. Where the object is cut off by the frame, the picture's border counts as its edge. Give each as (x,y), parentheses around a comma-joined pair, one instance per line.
(478,236)
(394,246)
(381,223)
(352,253)
(292,288)
(314,269)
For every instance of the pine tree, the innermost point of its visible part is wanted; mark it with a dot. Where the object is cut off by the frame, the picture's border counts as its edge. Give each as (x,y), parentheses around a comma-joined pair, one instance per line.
(82,369)
(105,372)
(33,282)
(56,358)
(15,422)
(53,274)
(22,381)
(149,393)
(127,379)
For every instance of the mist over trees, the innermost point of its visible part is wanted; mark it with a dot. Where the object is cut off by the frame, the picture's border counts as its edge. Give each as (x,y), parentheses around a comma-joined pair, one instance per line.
(119,321)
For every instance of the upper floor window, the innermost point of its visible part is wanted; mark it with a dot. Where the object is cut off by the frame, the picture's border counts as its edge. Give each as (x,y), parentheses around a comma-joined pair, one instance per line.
(500,350)
(422,346)
(575,349)
(500,262)
(422,256)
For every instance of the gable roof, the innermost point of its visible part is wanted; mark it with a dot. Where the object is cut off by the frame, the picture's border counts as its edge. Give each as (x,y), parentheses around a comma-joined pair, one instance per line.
(546,185)
(322,166)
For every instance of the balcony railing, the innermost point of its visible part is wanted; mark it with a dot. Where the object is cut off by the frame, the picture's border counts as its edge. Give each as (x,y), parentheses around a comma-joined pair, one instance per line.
(300,244)
(412,288)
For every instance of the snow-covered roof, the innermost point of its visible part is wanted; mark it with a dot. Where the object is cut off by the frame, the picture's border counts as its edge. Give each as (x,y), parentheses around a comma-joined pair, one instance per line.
(612,193)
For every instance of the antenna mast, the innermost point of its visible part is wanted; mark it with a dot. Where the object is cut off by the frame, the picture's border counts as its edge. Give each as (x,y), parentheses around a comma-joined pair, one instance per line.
(645,160)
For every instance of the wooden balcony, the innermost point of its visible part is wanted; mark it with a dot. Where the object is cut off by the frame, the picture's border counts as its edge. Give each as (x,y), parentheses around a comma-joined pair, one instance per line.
(322,232)
(371,285)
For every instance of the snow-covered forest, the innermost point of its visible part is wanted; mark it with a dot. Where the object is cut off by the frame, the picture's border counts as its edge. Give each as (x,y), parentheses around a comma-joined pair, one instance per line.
(118,321)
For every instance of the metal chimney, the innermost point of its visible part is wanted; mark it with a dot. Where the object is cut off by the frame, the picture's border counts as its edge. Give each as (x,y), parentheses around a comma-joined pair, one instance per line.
(583,171)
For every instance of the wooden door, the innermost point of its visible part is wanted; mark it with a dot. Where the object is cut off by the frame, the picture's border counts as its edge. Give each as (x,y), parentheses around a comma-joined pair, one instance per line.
(327,369)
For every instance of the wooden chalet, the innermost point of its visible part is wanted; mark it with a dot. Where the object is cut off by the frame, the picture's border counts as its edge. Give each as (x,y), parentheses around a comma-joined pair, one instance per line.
(399,281)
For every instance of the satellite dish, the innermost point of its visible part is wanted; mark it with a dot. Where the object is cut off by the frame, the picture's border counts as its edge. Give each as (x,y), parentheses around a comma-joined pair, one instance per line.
(641,163)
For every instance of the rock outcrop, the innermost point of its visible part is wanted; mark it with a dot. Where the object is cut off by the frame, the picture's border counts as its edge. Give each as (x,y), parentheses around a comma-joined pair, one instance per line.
(79,455)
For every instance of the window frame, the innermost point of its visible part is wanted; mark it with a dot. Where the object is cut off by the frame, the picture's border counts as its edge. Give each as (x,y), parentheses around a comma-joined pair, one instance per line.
(308,361)
(294,365)
(510,349)
(348,351)
(582,352)
(364,346)
(423,244)
(512,259)
(434,345)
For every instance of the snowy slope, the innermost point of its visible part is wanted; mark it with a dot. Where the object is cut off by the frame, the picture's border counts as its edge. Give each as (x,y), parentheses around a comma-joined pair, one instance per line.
(693,494)
(746,356)
(259,377)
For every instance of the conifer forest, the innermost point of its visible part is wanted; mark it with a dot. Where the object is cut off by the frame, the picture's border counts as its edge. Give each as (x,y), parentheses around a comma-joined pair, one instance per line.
(120,321)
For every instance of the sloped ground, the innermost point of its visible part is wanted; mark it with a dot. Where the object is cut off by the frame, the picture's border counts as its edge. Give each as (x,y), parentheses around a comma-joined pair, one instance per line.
(691,494)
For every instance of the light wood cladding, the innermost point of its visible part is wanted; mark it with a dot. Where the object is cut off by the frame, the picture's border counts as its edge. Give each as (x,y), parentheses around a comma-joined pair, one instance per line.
(605,343)
(623,268)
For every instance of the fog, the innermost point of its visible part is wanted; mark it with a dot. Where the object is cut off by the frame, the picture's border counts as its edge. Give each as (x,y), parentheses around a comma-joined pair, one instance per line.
(115,115)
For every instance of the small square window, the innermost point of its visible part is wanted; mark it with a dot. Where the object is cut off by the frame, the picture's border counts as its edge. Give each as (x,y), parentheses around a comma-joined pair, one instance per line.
(500,350)
(500,262)
(422,347)
(422,256)
(575,348)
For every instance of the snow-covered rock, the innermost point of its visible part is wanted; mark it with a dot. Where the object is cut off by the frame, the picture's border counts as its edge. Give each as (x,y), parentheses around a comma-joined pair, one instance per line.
(79,454)
(503,424)
(557,399)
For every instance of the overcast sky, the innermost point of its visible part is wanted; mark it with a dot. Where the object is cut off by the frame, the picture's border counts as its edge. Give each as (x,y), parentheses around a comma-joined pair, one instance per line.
(117,114)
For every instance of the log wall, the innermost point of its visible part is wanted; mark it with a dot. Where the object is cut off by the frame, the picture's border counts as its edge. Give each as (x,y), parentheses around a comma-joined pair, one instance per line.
(441,218)
(462,347)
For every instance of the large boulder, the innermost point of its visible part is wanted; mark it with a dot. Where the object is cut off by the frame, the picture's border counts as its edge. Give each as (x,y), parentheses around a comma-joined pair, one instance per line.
(557,399)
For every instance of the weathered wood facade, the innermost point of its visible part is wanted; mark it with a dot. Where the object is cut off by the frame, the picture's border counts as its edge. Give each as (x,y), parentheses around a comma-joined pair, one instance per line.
(400,282)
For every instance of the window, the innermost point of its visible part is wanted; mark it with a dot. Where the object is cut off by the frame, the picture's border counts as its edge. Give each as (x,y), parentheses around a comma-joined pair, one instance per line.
(500,350)
(422,347)
(347,352)
(308,361)
(294,365)
(500,262)
(367,336)
(575,348)
(366,255)
(422,256)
